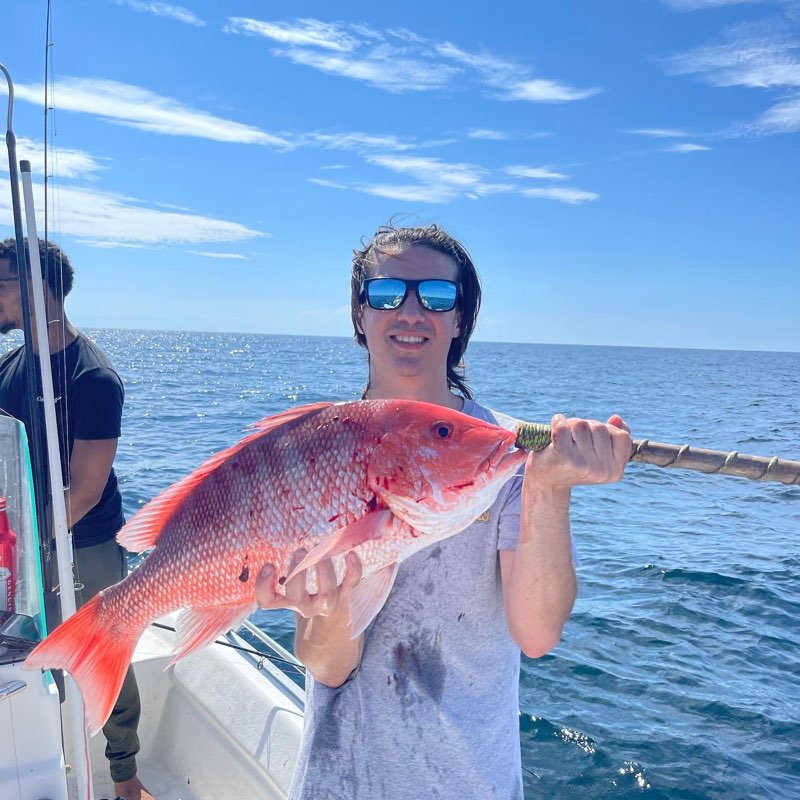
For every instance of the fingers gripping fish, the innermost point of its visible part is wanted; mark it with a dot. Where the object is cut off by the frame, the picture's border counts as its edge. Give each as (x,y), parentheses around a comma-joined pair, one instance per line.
(382,477)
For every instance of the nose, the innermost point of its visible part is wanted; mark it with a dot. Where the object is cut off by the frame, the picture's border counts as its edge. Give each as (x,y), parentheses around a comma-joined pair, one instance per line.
(411,310)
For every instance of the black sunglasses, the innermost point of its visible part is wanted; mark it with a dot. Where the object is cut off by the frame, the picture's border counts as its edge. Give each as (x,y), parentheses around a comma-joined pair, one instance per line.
(434,294)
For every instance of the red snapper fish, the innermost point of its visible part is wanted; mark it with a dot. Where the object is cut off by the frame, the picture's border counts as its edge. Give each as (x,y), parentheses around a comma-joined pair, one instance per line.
(382,477)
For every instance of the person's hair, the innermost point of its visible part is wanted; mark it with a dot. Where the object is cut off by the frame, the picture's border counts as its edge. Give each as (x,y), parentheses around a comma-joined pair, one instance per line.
(390,240)
(56,267)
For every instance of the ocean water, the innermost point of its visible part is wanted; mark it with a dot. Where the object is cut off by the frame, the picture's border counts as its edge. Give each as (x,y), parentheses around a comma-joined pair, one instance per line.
(679,672)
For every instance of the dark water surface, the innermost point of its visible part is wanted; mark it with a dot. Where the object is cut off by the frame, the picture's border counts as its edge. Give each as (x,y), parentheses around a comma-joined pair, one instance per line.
(679,672)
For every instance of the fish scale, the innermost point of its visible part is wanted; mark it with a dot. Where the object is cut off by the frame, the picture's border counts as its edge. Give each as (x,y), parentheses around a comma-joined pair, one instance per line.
(384,478)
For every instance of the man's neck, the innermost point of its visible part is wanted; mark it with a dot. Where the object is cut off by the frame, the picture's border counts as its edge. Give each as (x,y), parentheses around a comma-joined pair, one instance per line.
(60,332)
(400,389)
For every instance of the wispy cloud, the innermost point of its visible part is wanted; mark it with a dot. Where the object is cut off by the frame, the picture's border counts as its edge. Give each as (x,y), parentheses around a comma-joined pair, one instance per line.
(535,172)
(226,256)
(438,181)
(178,13)
(399,60)
(783,117)
(539,90)
(511,80)
(383,67)
(135,107)
(304,33)
(660,133)
(327,183)
(100,218)
(697,5)
(756,55)
(357,141)
(488,133)
(685,147)
(62,162)
(564,194)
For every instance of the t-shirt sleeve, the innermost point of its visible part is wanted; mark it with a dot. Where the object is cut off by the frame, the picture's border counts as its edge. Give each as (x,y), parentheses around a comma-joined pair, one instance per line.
(97,405)
(508,520)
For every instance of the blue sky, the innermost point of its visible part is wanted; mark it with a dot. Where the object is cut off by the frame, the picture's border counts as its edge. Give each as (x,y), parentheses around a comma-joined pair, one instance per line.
(622,172)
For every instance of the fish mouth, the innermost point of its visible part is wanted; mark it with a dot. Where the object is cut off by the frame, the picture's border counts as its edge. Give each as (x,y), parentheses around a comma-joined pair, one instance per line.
(504,456)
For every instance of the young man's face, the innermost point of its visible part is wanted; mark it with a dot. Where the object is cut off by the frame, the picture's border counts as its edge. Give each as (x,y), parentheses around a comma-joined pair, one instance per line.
(10,303)
(410,341)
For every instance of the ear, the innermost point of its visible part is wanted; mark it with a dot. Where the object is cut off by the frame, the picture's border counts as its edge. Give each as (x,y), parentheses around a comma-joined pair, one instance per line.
(457,329)
(358,326)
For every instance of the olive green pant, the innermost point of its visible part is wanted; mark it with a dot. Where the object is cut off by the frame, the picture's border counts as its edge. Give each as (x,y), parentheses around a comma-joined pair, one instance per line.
(95,568)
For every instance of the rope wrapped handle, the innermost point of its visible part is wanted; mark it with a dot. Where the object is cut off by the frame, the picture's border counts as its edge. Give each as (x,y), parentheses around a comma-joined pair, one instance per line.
(536,436)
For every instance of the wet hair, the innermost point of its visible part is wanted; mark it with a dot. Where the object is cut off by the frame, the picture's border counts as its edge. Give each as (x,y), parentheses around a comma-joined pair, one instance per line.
(56,267)
(390,240)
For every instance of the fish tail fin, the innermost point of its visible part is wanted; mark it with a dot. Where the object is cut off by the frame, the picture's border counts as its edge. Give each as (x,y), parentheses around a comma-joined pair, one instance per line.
(96,661)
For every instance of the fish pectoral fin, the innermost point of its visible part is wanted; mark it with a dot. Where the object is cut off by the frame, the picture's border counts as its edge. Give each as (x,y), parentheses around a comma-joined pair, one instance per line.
(368,596)
(197,627)
(370,526)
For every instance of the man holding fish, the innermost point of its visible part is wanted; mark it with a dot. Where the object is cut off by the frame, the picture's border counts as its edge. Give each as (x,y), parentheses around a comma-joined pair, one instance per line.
(424,701)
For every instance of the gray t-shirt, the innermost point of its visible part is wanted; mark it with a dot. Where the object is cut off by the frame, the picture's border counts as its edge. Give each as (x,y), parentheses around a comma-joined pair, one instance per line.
(432,710)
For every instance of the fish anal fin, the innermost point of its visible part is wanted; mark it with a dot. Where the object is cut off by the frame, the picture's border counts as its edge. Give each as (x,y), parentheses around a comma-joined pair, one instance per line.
(368,596)
(145,527)
(197,627)
(370,526)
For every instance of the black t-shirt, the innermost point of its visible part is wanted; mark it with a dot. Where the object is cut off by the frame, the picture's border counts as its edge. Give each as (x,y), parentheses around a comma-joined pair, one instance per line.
(89,397)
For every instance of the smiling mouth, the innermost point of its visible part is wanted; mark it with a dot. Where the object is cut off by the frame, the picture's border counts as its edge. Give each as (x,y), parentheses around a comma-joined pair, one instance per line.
(408,338)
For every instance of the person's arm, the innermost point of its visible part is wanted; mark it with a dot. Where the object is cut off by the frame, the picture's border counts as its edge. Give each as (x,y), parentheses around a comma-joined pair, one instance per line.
(89,467)
(539,582)
(322,634)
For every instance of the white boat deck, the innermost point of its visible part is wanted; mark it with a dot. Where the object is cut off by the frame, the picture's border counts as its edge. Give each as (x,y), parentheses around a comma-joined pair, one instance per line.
(213,726)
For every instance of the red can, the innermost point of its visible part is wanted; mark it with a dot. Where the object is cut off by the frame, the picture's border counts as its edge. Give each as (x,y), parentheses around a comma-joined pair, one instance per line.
(8,564)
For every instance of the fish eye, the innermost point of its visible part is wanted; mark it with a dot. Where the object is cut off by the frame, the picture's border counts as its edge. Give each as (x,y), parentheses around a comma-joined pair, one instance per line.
(442,429)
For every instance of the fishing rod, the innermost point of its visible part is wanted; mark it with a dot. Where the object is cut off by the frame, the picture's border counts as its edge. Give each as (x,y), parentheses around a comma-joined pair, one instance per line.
(536,436)
(30,274)
(40,489)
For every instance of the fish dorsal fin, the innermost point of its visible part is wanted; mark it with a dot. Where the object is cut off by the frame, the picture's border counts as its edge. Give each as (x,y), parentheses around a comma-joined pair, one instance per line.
(268,423)
(145,527)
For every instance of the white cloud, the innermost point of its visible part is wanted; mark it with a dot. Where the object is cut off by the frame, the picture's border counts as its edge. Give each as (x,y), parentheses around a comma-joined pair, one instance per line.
(564,194)
(104,219)
(384,67)
(437,181)
(62,162)
(133,106)
(327,183)
(178,13)
(400,60)
(487,133)
(432,170)
(206,254)
(660,133)
(547,91)
(535,172)
(685,147)
(783,117)
(415,193)
(512,80)
(756,55)
(696,5)
(305,32)
(356,141)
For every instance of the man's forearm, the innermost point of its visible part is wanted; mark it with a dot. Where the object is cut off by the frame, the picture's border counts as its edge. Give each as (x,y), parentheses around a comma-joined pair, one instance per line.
(539,582)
